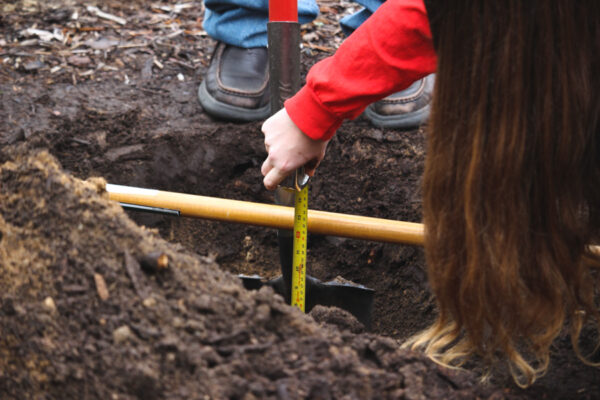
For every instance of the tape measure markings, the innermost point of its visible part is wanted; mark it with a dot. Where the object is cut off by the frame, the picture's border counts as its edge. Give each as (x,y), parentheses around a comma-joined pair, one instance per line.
(299,253)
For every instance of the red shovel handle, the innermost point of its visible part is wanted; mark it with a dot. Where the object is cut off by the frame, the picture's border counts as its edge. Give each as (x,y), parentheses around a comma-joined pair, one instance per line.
(283,11)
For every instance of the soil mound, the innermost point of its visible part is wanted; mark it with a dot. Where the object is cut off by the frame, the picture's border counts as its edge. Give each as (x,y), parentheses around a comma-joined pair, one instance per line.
(79,317)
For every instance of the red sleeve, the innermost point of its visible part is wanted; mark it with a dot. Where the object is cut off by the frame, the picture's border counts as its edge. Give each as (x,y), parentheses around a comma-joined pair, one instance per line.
(387,53)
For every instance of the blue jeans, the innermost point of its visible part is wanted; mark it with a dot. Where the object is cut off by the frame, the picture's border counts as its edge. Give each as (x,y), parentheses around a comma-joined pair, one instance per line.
(243,23)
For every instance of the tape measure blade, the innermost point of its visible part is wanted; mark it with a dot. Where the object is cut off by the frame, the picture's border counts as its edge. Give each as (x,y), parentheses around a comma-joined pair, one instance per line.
(299,252)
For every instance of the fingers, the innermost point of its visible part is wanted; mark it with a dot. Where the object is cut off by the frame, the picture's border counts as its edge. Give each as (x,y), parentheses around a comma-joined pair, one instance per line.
(273,178)
(275,171)
(273,175)
(266,167)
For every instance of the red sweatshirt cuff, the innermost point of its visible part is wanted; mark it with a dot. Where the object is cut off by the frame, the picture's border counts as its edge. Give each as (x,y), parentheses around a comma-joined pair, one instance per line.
(307,112)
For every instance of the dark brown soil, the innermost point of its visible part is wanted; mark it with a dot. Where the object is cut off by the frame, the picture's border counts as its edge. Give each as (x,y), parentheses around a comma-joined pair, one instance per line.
(192,332)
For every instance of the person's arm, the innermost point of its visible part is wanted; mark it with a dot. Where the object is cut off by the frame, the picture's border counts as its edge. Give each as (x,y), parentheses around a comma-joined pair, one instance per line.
(387,53)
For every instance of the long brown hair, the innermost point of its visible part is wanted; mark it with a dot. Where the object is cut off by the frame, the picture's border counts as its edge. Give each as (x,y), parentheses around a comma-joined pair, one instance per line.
(512,178)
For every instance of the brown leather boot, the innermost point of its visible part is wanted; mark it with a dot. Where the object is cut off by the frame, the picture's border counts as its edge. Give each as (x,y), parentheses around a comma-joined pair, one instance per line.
(406,109)
(235,86)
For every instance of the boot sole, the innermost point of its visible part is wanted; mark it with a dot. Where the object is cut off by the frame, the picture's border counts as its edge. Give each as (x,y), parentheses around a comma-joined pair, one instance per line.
(226,111)
(403,121)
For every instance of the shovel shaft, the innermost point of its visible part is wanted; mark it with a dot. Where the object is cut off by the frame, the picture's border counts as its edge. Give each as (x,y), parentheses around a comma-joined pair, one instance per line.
(272,216)
(283,35)
(284,62)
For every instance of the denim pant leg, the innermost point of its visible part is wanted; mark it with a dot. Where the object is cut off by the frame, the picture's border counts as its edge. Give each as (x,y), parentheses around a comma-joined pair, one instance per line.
(353,21)
(243,23)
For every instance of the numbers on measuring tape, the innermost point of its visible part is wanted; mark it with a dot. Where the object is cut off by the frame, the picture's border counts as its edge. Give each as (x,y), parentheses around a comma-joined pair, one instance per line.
(299,252)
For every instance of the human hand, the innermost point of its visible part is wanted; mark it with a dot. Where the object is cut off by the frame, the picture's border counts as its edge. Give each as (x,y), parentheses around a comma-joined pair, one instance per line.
(288,148)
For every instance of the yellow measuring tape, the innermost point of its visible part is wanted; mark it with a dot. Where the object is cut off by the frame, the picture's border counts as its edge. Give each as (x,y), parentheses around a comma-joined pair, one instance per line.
(299,255)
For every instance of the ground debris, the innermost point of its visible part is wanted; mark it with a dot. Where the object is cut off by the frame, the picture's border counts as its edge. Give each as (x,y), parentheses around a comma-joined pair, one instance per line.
(101,287)
(96,11)
(155,261)
(49,304)
(134,271)
(101,37)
